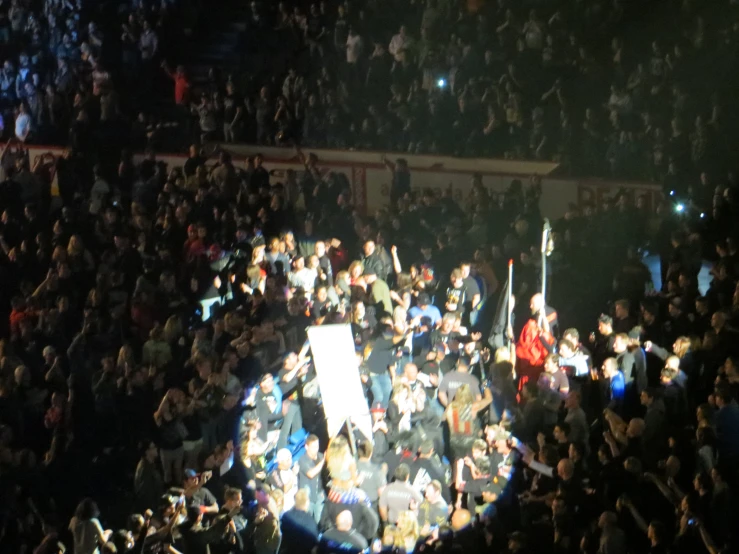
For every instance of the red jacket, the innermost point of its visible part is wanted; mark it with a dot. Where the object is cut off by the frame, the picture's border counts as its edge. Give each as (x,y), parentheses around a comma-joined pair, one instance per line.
(533,347)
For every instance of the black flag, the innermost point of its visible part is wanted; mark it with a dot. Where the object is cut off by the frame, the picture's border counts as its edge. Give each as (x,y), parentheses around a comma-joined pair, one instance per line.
(500,320)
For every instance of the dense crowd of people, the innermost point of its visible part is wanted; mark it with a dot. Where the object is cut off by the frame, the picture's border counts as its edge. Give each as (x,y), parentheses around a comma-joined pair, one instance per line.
(157,388)
(612,88)
(157,392)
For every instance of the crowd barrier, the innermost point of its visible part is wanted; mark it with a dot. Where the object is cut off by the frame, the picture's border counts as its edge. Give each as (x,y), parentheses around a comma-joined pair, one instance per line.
(370,180)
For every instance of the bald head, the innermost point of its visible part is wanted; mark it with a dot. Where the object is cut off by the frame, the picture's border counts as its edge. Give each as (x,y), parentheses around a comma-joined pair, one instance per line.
(410,372)
(565,469)
(461,519)
(610,367)
(673,362)
(537,303)
(344,521)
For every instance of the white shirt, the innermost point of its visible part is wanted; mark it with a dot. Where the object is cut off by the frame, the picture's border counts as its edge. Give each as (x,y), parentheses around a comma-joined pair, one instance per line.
(354,45)
(85,534)
(397,45)
(287,476)
(305,278)
(148,44)
(22,126)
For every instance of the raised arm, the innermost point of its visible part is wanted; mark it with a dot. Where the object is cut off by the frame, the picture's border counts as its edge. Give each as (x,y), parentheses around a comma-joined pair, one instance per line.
(640,521)
(397,268)
(657,350)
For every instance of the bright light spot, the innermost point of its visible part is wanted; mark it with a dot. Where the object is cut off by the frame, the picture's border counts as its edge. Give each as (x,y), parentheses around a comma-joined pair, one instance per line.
(703,215)
(672,193)
(680,208)
(441,83)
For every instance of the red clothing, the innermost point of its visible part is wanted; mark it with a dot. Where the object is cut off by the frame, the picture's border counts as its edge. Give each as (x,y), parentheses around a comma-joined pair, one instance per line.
(16,317)
(181,88)
(532,349)
(339,258)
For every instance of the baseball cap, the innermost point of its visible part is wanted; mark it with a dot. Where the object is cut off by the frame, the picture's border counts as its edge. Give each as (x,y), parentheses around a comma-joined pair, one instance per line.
(496,486)
(370,273)
(423,299)
(190,474)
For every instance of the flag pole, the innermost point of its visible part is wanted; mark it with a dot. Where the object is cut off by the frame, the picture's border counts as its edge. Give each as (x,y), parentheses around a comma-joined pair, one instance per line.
(510,295)
(544,247)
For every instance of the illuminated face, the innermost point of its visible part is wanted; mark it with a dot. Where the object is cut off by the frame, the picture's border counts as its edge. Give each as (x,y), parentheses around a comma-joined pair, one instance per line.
(311,448)
(267,384)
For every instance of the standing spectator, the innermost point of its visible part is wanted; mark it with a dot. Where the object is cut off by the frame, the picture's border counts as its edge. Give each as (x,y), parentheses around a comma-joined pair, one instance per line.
(23,123)
(148,43)
(398,496)
(86,530)
(343,536)
(309,477)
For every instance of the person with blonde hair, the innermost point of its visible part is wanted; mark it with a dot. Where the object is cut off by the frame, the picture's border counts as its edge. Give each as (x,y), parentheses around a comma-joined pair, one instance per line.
(407,531)
(461,416)
(339,461)
(343,494)
(683,350)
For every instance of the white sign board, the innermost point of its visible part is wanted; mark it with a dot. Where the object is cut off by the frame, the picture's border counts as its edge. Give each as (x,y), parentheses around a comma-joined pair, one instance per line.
(335,360)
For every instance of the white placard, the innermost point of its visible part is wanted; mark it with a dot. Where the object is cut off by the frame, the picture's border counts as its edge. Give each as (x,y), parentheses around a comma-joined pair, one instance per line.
(335,360)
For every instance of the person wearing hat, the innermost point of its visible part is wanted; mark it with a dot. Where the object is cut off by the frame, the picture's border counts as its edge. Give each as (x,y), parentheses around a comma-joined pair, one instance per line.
(195,493)
(424,308)
(380,431)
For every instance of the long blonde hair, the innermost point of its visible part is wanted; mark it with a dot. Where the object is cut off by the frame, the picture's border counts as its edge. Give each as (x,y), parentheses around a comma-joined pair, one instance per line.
(398,389)
(463,397)
(339,460)
(681,346)
(405,529)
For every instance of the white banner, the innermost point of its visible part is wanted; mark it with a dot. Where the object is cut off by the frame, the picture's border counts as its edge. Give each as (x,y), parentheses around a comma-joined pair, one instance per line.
(332,348)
